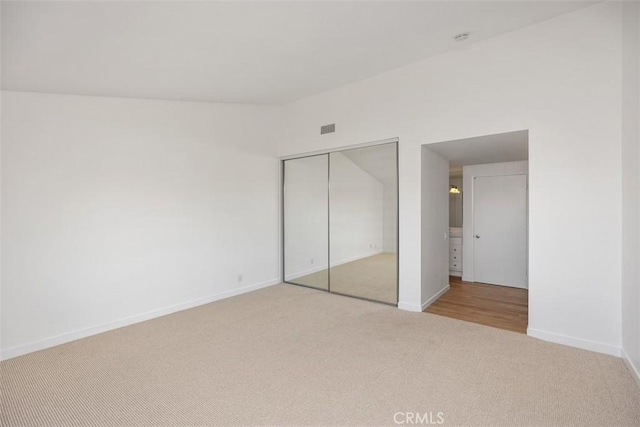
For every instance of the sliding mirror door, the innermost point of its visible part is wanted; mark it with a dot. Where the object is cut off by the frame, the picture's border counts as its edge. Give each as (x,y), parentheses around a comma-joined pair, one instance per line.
(306,221)
(363,222)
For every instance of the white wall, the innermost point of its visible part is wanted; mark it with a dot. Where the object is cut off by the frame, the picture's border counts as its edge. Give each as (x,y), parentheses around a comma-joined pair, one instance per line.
(355,212)
(631,187)
(434,226)
(142,198)
(356,223)
(118,210)
(390,219)
(563,88)
(469,172)
(381,163)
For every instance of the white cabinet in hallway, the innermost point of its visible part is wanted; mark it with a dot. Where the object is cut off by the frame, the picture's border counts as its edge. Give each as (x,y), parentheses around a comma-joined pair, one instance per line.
(455,251)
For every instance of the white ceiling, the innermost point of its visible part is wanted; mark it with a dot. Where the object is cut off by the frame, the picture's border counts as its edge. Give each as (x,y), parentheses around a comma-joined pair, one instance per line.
(503,147)
(379,161)
(243,52)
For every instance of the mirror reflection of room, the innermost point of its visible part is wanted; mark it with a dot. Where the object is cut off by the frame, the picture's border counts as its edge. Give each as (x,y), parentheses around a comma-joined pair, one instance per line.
(306,221)
(341,222)
(363,219)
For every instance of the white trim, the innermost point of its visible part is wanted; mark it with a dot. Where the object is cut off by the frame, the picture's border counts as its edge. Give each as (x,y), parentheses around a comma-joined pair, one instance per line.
(598,347)
(335,264)
(126,321)
(342,148)
(635,372)
(407,306)
(434,298)
(305,272)
(355,258)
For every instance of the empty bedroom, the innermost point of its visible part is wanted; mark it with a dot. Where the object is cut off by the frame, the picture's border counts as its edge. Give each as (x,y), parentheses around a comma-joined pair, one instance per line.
(320,213)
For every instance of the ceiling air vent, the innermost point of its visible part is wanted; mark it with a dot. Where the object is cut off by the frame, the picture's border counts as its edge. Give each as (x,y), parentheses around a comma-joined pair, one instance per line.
(327,128)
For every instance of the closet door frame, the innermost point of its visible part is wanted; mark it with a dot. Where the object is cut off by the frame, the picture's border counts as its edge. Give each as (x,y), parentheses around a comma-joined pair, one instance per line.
(327,152)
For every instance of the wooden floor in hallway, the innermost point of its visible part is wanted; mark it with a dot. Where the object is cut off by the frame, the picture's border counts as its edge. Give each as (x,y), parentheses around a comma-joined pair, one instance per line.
(491,305)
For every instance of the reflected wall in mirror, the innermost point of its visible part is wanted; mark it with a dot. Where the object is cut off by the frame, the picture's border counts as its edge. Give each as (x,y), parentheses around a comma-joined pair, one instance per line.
(306,221)
(363,204)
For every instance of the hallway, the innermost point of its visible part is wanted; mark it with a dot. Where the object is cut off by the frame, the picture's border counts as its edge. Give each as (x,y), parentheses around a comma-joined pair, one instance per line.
(490,305)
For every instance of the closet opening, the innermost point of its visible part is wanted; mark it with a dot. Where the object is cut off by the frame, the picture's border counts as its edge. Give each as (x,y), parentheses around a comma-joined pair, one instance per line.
(340,221)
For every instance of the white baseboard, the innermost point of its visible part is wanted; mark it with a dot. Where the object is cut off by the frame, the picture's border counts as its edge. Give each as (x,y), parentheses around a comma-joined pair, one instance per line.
(305,272)
(126,321)
(407,306)
(334,264)
(434,298)
(635,370)
(598,347)
(355,258)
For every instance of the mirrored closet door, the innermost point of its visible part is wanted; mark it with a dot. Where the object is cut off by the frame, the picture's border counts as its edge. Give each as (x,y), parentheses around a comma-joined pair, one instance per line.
(363,223)
(354,252)
(306,221)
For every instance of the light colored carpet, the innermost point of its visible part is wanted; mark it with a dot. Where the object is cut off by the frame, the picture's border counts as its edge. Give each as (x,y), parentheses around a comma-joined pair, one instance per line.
(374,278)
(288,355)
(318,280)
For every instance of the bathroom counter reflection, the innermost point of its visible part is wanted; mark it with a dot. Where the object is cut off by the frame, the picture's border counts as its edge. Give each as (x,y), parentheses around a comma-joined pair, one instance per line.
(343,240)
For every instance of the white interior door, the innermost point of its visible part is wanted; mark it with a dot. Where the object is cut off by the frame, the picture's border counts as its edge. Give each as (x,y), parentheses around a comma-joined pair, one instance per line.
(500,230)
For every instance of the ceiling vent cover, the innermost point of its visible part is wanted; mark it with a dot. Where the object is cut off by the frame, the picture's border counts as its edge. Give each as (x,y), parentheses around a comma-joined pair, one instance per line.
(327,128)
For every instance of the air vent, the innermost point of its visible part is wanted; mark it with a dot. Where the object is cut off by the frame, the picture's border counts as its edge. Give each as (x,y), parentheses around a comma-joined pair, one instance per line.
(327,128)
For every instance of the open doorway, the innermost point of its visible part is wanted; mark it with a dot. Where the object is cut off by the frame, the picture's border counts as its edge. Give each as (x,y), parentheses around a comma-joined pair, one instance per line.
(483,217)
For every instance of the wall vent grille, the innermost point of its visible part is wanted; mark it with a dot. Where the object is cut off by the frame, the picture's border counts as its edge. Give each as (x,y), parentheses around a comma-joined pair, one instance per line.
(327,128)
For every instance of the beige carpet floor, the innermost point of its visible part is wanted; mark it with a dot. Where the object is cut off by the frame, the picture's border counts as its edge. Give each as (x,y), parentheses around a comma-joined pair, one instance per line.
(288,355)
(373,277)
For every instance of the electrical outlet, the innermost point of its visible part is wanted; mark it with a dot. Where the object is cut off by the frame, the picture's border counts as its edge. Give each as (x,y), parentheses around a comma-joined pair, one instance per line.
(312,261)
(370,246)
(239,278)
